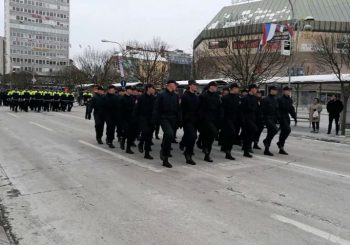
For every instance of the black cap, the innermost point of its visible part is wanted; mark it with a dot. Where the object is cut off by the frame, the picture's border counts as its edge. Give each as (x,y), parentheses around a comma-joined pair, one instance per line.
(286,88)
(226,89)
(171,81)
(272,88)
(234,85)
(245,91)
(149,86)
(251,86)
(111,86)
(128,87)
(212,84)
(192,82)
(100,88)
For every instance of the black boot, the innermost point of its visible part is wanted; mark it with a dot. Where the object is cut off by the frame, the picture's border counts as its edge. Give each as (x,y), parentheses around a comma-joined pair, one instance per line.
(99,141)
(166,163)
(256,146)
(247,154)
(122,144)
(189,159)
(267,152)
(140,146)
(283,152)
(129,151)
(110,144)
(148,156)
(207,158)
(229,156)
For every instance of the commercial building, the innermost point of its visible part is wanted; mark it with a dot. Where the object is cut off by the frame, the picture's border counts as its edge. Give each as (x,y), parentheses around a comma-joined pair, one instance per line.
(37,36)
(309,18)
(2,55)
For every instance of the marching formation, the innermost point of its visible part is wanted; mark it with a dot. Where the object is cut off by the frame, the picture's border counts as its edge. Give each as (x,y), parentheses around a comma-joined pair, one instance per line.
(233,118)
(38,101)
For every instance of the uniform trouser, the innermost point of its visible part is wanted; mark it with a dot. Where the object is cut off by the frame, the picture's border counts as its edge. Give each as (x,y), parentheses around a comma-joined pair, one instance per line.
(285,131)
(99,125)
(38,105)
(249,130)
(271,131)
(168,126)
(315,126)
(146,127)
(15,105)
(46,106)
(189,137)
(209,132)
(129,132)
(70,106)
(25,105)
(228,135)
(157,129)
(260,127)
(119,129)
(110,131)
(331,119)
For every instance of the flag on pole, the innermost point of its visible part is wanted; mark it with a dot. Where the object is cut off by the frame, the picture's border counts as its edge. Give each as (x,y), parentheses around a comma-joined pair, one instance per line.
(268,33)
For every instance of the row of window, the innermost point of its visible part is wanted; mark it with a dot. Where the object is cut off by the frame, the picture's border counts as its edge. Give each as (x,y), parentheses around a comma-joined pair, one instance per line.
(40,36)
(41,4)
(29,69)
(38,62)
(40,45)
(39,53)
(39,13)
(41,21)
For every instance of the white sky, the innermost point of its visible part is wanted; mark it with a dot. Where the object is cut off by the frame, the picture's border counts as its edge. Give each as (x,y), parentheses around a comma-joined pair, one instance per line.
(178,22)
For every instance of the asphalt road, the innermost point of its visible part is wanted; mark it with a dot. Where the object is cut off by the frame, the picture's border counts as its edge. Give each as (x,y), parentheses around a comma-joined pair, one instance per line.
(59,187)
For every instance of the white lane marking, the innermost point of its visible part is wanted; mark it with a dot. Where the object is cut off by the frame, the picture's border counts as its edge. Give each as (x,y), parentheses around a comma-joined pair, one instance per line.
(123,158)
(41,126)
(322,234)
(13,115)
(64,115)
(321,170)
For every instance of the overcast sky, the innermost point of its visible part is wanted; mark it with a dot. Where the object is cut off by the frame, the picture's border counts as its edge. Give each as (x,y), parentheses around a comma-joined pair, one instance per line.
(178,22)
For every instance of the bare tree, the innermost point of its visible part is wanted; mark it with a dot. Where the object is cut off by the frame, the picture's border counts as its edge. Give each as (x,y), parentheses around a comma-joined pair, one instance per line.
(332,53)
(97,65)
(146,62)
(241,58)
(71,76)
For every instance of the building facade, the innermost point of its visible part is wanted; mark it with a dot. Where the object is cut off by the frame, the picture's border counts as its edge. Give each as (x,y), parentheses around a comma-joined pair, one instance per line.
(37,36)
(2,56)
(241,25)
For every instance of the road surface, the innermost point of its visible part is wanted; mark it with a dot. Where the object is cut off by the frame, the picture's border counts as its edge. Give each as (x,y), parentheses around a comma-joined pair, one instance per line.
(58,187)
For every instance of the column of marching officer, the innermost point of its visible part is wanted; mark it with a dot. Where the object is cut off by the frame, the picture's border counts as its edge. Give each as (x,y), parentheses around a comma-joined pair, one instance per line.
(233,118)
(38,100)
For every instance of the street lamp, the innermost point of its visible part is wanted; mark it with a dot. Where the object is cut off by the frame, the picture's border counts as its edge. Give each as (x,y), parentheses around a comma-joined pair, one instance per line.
(120,63)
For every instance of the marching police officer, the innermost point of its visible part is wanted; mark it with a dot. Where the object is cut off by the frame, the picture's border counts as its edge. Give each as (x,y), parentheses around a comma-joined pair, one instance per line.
(143,113)
(189,106)
(269,107)
(248,110)
(259,122)
(97,107)
(209,117)
(230,117)
(286,108)
(167,112)
(127,103)
(111,114)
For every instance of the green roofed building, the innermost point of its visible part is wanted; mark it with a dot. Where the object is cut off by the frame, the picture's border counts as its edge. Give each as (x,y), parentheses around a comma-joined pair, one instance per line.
(314,18)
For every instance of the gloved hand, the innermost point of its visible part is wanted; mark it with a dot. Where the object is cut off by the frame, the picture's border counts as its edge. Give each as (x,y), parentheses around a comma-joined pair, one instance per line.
(295,122)
(88,117)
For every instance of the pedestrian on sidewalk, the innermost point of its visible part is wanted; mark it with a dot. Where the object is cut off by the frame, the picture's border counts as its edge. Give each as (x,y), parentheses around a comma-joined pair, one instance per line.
(334,108)
(315,115)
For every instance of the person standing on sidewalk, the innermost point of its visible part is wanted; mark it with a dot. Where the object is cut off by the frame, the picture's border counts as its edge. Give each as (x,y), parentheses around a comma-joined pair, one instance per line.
(286,108)
(334,108)
(315,115)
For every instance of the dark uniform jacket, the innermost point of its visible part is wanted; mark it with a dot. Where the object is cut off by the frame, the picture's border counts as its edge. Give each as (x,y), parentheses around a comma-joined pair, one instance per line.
(127,104)
(97,106)
(230,108)
(335,107)
(286,108)
(269,107)
(249,108)
(167,106)
(144,107)
(209,107)
(111,109)
(189,107)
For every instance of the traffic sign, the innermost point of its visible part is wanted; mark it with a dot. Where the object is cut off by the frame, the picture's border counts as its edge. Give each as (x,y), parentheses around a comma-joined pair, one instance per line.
(123,83)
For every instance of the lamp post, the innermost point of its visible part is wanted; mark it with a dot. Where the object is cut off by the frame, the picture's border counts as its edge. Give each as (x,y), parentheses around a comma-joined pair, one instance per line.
(120,63)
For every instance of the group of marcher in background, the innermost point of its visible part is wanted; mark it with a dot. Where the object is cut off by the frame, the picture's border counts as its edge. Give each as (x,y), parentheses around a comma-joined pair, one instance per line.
(234,118)
(37,100)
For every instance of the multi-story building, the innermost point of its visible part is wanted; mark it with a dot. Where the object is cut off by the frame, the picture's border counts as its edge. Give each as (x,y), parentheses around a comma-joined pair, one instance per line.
(37,35)
(2,55)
